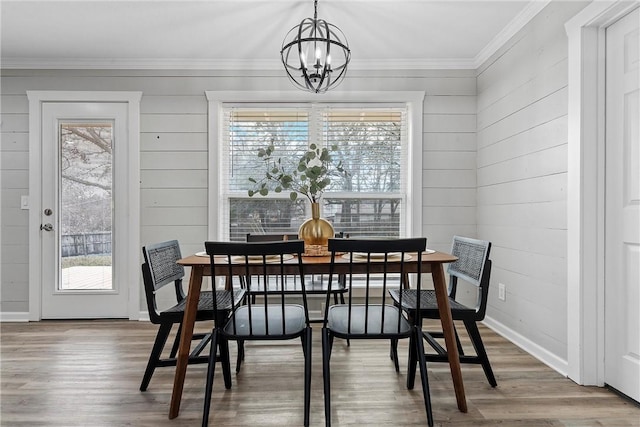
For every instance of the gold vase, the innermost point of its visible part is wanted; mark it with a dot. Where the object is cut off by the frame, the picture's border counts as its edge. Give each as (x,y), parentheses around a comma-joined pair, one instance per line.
(315,232)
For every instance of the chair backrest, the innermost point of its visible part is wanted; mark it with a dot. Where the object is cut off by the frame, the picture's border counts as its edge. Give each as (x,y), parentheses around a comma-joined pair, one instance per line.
(159,269)
(473,266)
(267,260)
(374,263)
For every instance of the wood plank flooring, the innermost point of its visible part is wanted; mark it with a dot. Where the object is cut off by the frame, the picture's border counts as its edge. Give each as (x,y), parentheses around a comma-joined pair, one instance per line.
(87,373)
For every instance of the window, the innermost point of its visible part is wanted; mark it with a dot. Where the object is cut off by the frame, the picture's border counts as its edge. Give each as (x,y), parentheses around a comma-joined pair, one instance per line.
(379,145)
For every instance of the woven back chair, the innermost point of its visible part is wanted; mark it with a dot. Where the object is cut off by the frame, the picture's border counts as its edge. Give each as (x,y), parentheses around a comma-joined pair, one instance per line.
(474,268)
(160,268)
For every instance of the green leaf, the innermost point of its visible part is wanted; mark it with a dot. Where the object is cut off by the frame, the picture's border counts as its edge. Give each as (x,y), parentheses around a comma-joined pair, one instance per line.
(278,189)
(251,193)
(293,195)
(252,180)
(264,191)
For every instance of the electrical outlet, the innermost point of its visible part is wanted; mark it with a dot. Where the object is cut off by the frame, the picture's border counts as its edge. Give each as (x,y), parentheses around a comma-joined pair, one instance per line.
(502,291)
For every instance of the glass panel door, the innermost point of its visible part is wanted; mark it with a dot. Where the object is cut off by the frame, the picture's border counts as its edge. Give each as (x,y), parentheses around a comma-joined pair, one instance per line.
(86,214)
(84,210)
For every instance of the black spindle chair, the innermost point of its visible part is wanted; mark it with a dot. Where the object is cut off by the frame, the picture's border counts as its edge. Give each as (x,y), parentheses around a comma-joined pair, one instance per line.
(314,285)
(382,264)
(270,317)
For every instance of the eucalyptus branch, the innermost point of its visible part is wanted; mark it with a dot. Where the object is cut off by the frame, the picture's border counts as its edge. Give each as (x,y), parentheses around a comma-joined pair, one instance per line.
(310,176)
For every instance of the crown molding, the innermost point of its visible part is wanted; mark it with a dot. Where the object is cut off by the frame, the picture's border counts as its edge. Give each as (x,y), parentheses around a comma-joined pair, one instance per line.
(527,14)
(195,64)
(137,64)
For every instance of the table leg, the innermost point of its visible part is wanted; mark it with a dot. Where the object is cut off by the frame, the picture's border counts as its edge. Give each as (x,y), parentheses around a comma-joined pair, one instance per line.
(444,309)
(190,312)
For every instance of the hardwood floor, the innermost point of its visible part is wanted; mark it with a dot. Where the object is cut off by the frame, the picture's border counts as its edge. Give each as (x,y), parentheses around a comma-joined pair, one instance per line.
(87,373)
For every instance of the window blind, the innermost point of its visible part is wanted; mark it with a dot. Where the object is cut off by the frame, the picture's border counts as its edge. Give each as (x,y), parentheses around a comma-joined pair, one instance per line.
(371,143)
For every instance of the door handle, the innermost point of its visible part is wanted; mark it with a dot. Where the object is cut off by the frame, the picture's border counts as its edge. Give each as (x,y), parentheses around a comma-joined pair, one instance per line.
(46,227)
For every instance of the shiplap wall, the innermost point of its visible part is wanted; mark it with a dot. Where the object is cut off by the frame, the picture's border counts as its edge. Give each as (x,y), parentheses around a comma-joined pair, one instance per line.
(174,151)
(522,177)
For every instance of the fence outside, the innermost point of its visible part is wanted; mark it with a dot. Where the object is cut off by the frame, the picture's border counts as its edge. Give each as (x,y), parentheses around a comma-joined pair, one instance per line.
(85,244)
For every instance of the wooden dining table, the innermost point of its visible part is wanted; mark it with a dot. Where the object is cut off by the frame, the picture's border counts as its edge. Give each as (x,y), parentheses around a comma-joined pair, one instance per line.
(431,263)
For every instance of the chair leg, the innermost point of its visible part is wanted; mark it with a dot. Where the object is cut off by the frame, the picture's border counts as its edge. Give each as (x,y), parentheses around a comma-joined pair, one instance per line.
(240,357)
(394,354)
(326,375)
(211,368)
(413,360)
(154,357)
(176,343)
(476,340)
(419,345)
(306,345)
(458,343)
(223,346)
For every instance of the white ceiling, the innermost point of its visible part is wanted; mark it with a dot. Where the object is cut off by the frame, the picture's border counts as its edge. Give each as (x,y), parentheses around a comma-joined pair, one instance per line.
(248,34)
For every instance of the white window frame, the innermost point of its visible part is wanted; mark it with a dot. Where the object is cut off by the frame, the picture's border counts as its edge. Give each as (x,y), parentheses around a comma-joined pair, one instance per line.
(412,99)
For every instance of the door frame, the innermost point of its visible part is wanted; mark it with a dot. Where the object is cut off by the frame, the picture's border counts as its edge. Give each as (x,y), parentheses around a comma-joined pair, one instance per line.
(131,271)
(585,189)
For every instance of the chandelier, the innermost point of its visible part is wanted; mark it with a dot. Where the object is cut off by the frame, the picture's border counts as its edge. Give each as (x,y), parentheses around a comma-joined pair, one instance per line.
(315,54)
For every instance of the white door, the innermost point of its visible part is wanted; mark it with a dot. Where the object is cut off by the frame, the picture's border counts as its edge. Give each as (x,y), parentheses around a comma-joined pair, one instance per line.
(622,201)
(83,209)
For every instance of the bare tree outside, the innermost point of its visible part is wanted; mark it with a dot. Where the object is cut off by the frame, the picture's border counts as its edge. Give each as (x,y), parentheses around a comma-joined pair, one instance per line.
(86,175)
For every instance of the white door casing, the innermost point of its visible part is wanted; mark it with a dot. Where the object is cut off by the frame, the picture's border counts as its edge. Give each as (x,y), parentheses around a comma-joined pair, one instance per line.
(622,206)
(127,229)
(585,188)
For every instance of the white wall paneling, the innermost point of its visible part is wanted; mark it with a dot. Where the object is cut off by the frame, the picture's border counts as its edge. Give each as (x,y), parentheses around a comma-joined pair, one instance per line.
(522,182)
(174,147)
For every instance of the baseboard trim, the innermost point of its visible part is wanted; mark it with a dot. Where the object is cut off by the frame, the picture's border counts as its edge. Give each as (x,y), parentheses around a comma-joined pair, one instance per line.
(540,353)
(23,316)
(14,316)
